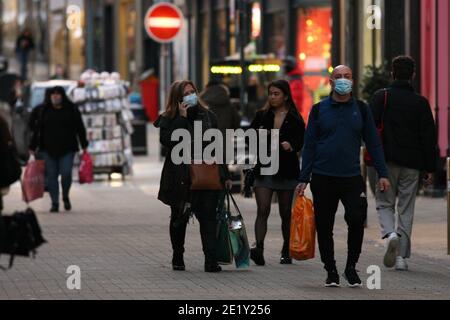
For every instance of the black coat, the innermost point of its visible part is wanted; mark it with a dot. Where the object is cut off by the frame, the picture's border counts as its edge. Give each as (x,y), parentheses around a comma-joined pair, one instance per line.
(292,131)
(175,180)
(409,135)
(75,131)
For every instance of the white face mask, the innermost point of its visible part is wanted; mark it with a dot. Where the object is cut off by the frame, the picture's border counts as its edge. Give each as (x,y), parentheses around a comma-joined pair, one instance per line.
(191,100)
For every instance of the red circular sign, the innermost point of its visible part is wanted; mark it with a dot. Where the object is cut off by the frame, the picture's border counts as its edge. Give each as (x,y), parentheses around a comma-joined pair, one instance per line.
(163,22)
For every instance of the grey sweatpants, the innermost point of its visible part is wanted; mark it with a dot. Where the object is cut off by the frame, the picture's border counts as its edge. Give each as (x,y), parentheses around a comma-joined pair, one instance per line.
(404,185)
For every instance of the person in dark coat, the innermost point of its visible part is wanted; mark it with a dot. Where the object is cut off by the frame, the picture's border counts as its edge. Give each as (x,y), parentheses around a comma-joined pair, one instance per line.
(410,145)
(182,111)
(57,131)
(280,113)
(24,44)
(217,97)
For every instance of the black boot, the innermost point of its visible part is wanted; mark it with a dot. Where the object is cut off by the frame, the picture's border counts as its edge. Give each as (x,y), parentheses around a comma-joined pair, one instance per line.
(212,267)
(285,255)
(178,262)
(55,208)
(257,254)
(67,204)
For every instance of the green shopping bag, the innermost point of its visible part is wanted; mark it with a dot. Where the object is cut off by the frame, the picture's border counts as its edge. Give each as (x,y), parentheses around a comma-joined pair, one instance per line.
(224,253)
(238,236)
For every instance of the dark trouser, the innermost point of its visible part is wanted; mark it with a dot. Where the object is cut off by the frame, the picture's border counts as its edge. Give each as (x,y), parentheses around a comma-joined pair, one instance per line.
(23,59)
(205,208)
(1,203)
(178,225)
(206,212)
(327,192)
(55,167)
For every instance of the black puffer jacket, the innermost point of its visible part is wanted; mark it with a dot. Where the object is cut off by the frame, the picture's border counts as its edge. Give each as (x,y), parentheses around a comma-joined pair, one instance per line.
(409,135)
(175,181)
(292,131)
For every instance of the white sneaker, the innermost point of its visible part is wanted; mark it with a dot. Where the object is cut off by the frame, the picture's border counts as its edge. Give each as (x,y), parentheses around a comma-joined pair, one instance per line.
(400,264)
(391,252)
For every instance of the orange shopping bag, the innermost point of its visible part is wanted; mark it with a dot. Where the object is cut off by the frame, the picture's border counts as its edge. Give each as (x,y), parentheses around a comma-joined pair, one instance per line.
(303,230)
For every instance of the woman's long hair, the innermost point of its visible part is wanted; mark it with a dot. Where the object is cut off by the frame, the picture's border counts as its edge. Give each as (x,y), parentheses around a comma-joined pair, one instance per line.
(176,97)
(284,86)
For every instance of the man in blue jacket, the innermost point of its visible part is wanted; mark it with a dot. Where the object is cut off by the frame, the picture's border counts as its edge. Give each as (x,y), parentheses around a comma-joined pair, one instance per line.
(331,163)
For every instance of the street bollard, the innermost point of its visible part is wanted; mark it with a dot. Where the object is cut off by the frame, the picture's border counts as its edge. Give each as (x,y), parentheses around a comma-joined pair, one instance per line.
(448,206)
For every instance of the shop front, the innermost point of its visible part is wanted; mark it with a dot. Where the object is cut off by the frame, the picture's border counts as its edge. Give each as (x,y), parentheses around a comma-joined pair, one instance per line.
(66,36)
(313,52)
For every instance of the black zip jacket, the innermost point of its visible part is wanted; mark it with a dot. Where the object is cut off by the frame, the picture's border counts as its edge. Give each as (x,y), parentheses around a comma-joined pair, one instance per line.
(409,135)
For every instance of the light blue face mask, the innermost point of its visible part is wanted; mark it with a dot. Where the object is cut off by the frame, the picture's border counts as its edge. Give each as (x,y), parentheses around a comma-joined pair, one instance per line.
(191,100)
(343,86)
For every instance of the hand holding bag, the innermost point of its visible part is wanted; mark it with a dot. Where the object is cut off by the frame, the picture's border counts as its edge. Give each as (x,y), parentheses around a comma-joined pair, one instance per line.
(86,170)
(238,236)
(33,184)
(302,243)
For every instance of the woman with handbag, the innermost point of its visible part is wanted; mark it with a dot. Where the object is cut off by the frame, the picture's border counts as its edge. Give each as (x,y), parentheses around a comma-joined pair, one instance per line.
(57,131)
(186,187)
(279,113)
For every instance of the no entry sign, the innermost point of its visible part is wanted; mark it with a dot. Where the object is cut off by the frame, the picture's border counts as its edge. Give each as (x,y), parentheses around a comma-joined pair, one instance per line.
(163,22)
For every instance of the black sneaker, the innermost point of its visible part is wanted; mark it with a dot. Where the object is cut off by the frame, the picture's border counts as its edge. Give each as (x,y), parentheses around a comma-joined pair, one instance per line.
(352,278)
(333,280)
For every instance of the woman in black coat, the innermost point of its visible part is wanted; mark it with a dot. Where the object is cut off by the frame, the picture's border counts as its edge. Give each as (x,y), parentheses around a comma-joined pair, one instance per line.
(57,131)
(182,110)
(280,113)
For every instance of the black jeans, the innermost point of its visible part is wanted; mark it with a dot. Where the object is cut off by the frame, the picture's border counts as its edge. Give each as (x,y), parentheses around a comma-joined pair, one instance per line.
(327,192)
(205,208)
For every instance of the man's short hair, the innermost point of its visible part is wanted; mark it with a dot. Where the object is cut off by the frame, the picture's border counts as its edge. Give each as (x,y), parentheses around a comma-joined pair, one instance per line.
(403,68)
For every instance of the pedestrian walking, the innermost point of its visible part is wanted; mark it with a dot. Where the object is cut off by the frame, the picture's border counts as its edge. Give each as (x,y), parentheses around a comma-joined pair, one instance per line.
(24,44)
(183,110)
(409,142)
(57,132)
(280,113)
(331,163)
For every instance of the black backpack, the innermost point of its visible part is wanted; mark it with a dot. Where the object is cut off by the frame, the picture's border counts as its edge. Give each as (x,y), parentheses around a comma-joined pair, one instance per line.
(20,235)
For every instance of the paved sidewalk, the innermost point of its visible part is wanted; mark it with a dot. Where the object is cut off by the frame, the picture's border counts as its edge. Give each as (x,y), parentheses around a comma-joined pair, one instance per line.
(118,236)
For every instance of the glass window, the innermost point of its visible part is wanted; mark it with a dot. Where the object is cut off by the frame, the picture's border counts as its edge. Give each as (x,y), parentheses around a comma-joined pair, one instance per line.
(314,38)
(276,39)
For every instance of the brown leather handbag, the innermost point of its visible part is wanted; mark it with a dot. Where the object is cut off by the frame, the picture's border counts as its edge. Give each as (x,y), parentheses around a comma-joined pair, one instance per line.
(205,177)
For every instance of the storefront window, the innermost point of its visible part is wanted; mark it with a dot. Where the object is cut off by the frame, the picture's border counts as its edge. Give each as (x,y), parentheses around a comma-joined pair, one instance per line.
(371,54)
(221,29)
(277,28)
(66,25)
(10,28)
(205,49)
(127,40)
(314,38)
